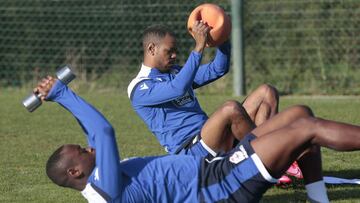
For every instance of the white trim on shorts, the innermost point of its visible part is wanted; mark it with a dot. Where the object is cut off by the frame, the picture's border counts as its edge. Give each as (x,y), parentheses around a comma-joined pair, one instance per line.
(259,164)
(207,148)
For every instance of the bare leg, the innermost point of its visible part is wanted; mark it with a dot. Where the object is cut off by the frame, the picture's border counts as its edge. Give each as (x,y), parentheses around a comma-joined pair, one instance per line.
(310,154)
(283,119)
(226,124)
(262,104)
(299,138)
(311,157)
(231,122)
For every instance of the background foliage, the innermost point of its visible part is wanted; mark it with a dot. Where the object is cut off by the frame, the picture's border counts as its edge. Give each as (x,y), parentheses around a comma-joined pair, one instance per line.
(301,47)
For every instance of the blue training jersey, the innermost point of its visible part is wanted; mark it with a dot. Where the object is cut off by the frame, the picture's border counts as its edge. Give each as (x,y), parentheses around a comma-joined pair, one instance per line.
(166,102)
(148,179)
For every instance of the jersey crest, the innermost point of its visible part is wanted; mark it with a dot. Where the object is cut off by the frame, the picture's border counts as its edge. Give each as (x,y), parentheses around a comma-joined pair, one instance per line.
(239,156)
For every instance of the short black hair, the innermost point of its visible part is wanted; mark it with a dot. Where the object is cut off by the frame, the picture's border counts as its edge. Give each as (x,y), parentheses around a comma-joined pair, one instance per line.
(56,168)
(155,33)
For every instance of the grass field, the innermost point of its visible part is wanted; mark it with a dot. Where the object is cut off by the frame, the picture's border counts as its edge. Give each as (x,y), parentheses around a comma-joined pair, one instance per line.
(27,139)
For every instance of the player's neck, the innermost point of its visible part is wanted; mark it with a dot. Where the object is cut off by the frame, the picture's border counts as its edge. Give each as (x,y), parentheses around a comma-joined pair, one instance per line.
(149,61)
(80,184)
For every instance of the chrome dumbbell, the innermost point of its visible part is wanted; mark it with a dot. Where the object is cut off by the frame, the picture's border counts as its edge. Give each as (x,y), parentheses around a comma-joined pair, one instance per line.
(33,101)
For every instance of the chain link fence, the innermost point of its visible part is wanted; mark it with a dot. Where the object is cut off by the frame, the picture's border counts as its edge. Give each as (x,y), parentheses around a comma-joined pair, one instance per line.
(304,46)
(301,47)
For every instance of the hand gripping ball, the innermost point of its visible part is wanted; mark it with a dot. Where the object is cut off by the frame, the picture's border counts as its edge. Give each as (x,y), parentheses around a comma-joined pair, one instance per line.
(216,18)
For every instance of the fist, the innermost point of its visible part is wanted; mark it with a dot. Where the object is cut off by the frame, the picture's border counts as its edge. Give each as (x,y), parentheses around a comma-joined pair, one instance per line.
(200,32)
(44,86)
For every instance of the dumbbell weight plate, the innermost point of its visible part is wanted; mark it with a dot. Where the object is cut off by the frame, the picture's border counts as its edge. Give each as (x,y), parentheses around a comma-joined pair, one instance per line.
(32,102)
(65,75)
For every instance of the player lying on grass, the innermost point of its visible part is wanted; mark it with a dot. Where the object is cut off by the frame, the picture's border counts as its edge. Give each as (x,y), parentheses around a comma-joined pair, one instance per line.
(243,175)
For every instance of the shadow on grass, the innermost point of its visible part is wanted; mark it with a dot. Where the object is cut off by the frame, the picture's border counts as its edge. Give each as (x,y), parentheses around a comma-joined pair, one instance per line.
(348,173)
(336,192)
(342,192)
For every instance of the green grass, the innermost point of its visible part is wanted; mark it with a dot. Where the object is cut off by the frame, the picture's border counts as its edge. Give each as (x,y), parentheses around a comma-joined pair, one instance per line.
(27,139)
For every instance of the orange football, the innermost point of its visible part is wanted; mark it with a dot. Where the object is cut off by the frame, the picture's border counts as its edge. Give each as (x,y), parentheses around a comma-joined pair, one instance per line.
(216,18)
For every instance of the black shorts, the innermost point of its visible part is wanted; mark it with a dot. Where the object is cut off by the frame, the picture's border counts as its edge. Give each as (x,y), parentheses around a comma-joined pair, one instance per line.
(238,177)
(195,146)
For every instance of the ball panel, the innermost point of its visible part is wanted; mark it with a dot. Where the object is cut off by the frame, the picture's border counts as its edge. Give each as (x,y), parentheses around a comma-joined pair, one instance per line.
(216,18)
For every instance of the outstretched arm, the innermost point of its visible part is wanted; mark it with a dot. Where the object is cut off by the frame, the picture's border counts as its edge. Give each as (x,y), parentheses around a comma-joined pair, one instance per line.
(100,133)
(92,122)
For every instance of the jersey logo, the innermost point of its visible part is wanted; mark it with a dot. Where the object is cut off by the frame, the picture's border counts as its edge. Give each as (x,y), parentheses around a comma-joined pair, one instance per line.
(144,86)
(96,174)
(214,159)
(159,79)
(180,101)
(238,156)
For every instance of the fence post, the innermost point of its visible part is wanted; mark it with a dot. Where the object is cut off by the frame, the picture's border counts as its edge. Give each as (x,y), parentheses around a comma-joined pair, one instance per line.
(237,47)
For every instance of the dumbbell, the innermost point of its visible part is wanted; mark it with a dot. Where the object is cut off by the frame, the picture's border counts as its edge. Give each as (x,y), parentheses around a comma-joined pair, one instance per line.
(33,101)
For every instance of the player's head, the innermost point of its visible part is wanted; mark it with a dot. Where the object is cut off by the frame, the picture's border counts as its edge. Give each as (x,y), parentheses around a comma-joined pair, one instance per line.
(159,44)
(70,164)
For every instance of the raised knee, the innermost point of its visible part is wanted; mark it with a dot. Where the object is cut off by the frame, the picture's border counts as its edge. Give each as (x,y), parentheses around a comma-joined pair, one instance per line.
(306,124)
(302,111)
(233,108)
(269,91)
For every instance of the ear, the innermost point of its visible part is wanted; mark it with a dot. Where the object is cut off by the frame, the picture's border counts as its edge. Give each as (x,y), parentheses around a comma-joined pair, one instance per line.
(151,48)
(74,172)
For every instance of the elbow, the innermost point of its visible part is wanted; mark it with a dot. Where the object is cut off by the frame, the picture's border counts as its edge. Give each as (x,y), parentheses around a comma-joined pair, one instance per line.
(179,93)
(227,65)
(180,90)
(223,68)
(108,130)
(227,68)
(223,65)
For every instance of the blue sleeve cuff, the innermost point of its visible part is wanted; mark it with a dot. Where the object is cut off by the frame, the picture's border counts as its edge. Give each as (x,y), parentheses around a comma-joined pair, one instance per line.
(55,91)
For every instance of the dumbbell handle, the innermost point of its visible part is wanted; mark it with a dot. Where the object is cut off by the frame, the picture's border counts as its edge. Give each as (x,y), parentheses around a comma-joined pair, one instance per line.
(33,101)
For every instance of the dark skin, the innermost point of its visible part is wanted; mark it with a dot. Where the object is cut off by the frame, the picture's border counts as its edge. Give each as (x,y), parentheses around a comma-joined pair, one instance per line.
(262,104)
(308,156)
(231,120)
(81,161)
(162,55)
(293,134)
(296,134)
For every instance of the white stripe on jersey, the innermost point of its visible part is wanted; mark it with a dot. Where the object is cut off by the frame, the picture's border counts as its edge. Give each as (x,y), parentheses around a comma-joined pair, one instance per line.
(91,195)
(142,75)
